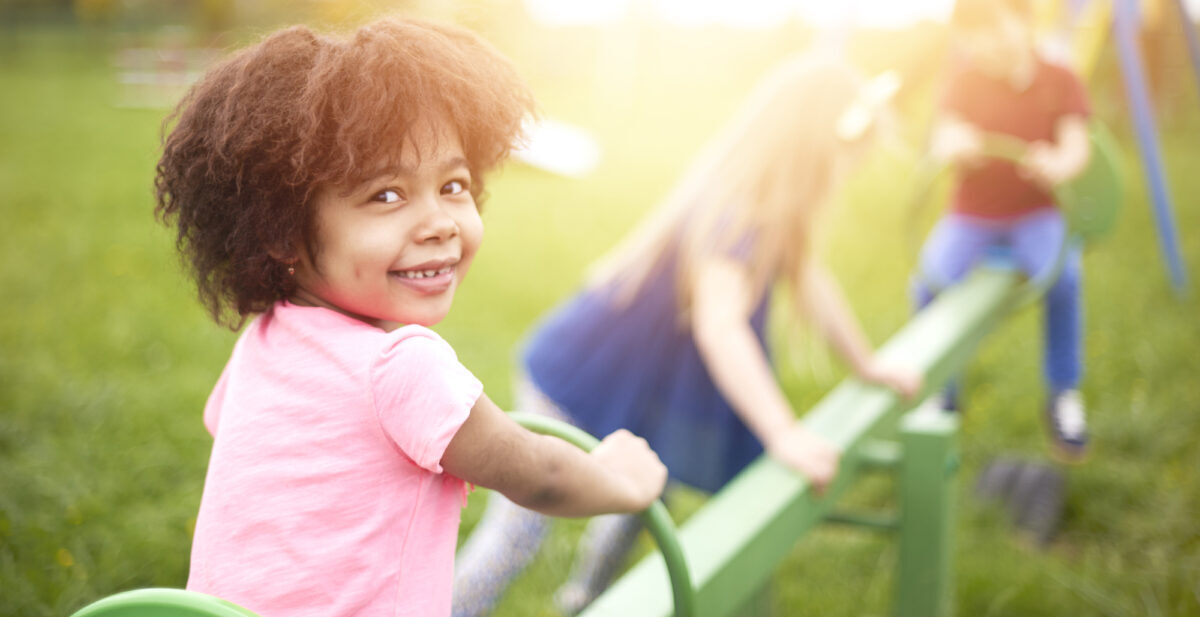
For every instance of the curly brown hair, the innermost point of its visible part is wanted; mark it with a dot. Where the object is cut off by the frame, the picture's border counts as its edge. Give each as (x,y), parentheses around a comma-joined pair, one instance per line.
(265,129)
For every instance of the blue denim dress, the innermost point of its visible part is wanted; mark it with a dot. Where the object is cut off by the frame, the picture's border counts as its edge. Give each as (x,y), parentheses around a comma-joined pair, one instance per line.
(637,367)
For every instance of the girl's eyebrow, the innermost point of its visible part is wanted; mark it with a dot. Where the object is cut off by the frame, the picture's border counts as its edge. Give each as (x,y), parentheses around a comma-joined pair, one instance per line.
(454,163)
(401,171)
(445,166)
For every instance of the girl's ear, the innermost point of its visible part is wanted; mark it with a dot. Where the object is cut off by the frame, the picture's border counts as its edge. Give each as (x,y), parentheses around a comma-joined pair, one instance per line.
(286,255)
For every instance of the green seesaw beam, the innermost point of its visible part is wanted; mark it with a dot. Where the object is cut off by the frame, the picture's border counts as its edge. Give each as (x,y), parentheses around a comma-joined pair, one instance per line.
(735,542)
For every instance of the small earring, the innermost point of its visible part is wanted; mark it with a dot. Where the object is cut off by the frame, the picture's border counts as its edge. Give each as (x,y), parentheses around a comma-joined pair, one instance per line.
(291,270)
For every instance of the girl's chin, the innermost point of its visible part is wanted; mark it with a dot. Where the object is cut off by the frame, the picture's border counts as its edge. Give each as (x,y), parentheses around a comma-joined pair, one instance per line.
(429,317)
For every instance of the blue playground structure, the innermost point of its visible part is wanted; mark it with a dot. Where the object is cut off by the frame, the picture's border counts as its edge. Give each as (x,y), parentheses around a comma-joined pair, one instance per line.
(1125,24)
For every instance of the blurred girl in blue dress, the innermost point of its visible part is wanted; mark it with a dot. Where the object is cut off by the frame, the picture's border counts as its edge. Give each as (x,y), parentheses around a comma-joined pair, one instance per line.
(667,337)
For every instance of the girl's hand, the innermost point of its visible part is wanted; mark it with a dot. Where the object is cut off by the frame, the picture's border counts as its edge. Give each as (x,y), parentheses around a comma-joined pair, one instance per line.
(902,381)
(807,453)
(1051,163)
(959,143)
(634,465)
(1043,166)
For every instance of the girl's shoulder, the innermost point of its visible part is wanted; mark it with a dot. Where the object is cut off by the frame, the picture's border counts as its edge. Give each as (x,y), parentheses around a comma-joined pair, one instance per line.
(417,365)
(418,350)
(310,333)
(406,358)
(305,327)
(417,339)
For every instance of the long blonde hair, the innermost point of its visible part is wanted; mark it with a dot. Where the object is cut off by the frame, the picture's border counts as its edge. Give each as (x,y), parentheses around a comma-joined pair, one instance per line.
(761,179)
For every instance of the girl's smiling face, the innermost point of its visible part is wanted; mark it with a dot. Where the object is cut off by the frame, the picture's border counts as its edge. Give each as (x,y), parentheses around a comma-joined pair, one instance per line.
(393,250)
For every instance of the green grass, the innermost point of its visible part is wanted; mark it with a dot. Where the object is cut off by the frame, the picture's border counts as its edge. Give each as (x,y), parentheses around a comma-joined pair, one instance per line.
(106,358)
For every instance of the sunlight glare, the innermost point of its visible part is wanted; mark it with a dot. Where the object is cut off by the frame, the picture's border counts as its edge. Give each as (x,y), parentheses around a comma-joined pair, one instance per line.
(555,13)
(749,14)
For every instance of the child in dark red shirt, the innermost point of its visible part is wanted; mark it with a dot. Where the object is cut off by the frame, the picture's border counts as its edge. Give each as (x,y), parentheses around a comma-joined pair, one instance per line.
(1003,86)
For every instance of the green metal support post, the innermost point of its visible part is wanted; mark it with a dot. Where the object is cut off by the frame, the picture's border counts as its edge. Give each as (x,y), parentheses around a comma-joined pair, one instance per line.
(924,586)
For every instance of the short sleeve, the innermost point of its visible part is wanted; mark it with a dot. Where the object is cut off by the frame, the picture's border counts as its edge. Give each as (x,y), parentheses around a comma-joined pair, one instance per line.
(422,394)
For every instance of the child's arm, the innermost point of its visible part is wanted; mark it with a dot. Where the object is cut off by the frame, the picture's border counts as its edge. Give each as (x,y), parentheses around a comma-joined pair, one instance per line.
(955,141)
(1052,163)
(548,475)
(819,295)
(721,309)
(958,142)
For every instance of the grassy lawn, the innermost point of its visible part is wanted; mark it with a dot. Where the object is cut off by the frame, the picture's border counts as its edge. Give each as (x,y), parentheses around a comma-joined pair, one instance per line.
(106,358)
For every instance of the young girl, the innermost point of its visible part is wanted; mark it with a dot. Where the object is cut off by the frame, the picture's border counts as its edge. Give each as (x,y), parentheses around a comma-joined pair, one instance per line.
(667,338)
(328,189)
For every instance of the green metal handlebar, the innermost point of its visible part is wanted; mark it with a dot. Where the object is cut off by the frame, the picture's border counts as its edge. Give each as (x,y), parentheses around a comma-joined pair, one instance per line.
(1090,202)
(657,519)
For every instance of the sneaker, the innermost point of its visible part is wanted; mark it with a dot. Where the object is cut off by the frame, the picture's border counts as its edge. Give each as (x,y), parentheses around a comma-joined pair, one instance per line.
(1067,424)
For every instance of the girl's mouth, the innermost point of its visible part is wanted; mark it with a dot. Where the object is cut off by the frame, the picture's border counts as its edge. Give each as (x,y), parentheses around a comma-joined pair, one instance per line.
(423,274)
(426,278)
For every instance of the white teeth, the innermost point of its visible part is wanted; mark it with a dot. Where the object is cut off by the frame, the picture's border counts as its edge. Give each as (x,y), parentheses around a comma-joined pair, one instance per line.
(420,274)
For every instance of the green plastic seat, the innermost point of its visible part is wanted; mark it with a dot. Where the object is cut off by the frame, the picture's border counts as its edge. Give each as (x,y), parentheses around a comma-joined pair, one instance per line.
(162,602)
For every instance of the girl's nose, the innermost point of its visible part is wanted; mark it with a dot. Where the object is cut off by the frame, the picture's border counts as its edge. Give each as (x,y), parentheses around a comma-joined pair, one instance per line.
(438,225)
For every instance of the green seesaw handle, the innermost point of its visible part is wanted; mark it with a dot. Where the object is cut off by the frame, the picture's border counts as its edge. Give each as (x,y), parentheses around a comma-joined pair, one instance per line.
(1090,202)
(1092,199)
(657,519)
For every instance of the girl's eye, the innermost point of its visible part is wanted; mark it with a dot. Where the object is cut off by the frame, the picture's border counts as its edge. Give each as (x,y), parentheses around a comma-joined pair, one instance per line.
(454,187)
(387,196)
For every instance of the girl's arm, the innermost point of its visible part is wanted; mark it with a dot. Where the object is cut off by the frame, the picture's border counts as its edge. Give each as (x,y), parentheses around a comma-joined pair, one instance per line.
(955,141)
(819,296)
(548,475)
(721,309)
(1051,164)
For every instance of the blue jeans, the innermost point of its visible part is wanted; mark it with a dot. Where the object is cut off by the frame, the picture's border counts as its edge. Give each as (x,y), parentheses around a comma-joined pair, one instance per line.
(1033,243)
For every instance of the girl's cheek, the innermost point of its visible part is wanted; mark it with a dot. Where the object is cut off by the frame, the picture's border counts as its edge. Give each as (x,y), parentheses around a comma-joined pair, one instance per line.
(472,227)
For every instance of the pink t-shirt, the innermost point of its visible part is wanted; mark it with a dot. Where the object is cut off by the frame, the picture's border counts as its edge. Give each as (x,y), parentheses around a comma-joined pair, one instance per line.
(325,496)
